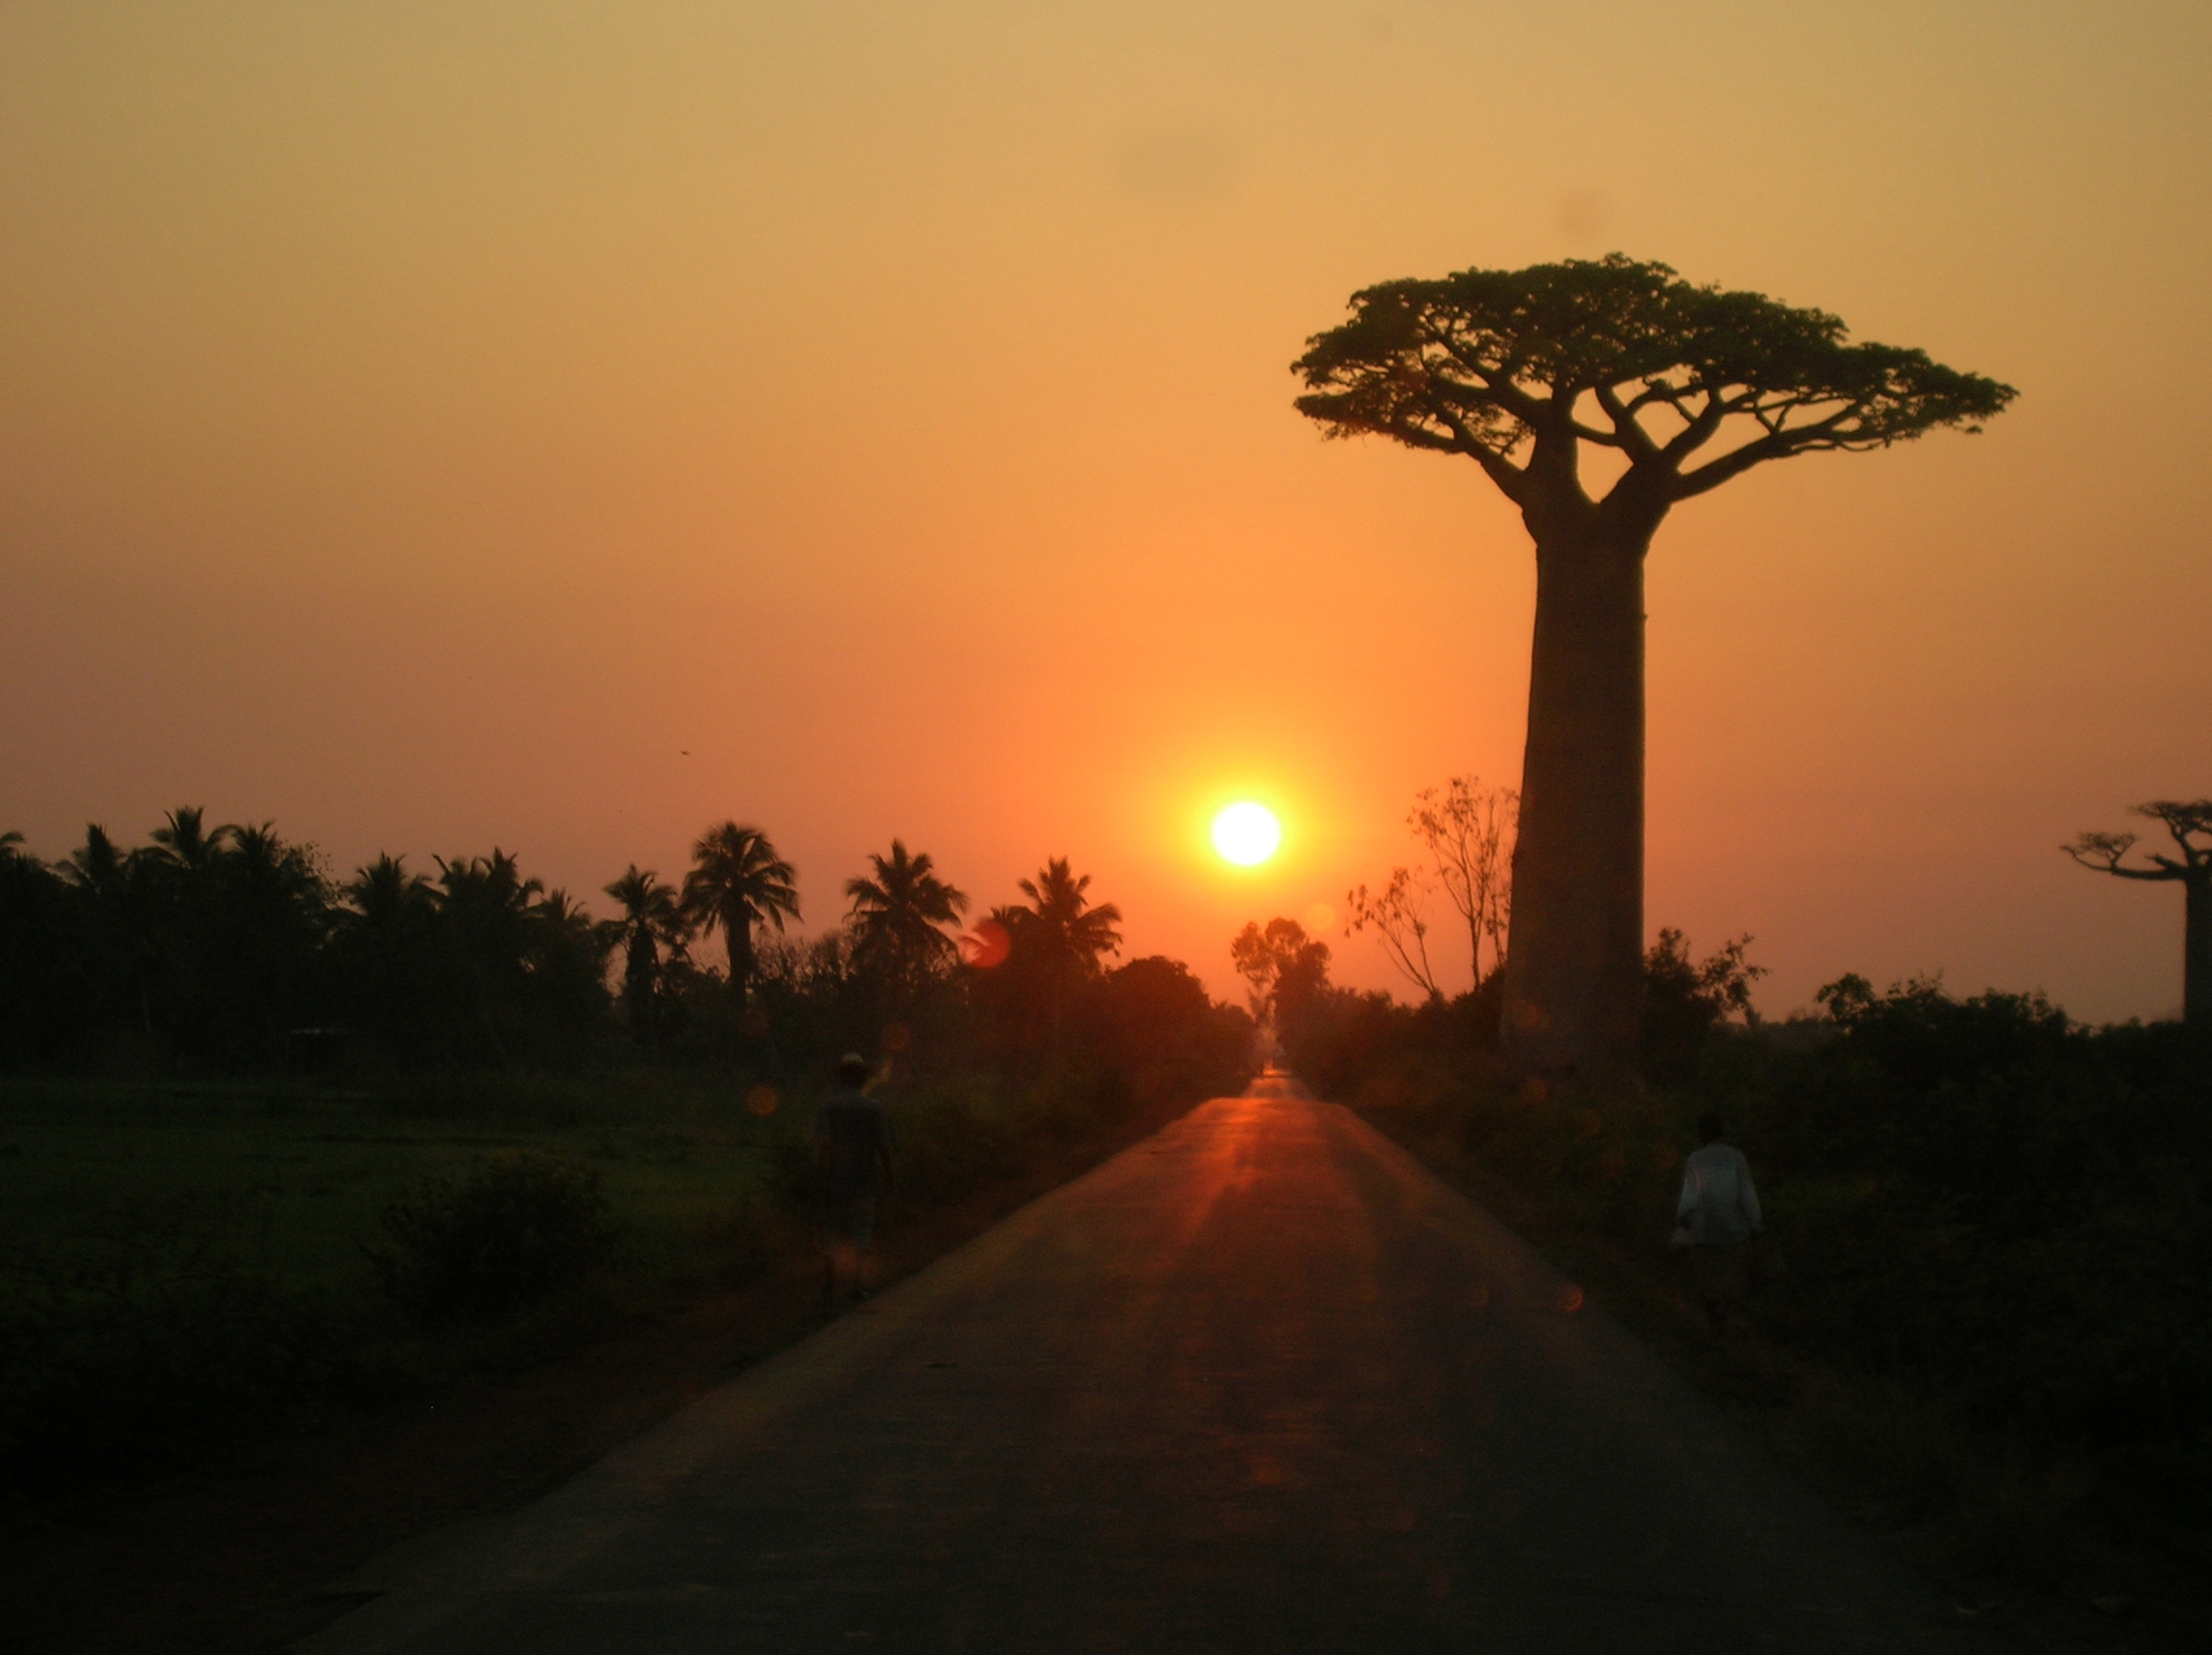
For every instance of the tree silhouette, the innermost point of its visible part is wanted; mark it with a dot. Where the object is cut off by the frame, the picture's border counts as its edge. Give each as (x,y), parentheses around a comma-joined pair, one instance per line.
(1286,967)
(383,899)
(1521,371)
(272,918)
(385,942)
(735,882)
(1395,914)
(1469,831)
(44,1009)
(650,921)
(1060,934)
(484,910)
(124,922)
(2187,821)
(566,967)
(895,919)
(186,843)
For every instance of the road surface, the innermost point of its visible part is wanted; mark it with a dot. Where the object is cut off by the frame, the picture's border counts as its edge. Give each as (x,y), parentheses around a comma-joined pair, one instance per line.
(1259,1384)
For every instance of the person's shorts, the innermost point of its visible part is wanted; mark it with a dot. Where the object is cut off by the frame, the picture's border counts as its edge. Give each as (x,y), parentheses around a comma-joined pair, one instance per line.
(850,1218)
(1717,1271)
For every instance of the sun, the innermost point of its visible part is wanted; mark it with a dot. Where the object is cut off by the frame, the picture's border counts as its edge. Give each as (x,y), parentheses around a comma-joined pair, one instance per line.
(1246,833)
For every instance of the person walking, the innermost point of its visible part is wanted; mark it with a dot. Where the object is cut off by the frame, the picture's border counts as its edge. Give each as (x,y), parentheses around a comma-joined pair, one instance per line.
(851,1163)
(1715,1220)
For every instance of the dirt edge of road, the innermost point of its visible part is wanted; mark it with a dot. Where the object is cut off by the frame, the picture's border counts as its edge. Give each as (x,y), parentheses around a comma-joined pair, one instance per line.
(237,1558)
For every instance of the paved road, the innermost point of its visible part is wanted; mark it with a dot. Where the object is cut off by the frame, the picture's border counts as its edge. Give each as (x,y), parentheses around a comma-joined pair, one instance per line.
(1259,1384)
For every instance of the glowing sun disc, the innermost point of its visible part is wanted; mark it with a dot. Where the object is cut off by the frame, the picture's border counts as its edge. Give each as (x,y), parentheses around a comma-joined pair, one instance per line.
(1246,833)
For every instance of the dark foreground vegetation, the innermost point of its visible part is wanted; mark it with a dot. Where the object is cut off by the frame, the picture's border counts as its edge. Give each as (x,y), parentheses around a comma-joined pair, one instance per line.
(1998,1223)
(272,1145)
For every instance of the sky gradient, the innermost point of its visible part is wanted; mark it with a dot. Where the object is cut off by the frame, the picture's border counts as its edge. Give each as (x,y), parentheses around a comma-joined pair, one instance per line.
(566,426)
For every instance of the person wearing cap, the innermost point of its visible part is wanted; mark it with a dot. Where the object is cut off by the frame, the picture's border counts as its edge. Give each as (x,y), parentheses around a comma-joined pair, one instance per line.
(851,1163)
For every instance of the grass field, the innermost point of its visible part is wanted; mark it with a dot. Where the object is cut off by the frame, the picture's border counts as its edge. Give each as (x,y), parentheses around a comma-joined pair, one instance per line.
(185,1266)
(182,1265)
(289,1180)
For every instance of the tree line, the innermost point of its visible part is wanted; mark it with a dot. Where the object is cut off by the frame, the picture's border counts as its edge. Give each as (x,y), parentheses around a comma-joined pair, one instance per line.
(225,948)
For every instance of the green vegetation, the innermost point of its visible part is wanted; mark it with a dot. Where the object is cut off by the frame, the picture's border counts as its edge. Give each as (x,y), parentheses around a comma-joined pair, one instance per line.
(505,1234)
(272,1144)
(184,1264)
(1998,1221)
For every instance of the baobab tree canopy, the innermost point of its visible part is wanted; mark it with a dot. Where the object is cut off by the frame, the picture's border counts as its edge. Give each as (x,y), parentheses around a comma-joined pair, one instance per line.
(1627,356)
(2190,822)
(1684,387)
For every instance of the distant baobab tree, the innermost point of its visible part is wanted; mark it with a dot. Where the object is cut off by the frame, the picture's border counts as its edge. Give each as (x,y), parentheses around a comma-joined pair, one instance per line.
(1680,388)
(2187,821)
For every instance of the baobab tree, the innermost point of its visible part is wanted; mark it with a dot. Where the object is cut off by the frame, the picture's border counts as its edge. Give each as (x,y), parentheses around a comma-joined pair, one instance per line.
(1678,387)
(2188,821)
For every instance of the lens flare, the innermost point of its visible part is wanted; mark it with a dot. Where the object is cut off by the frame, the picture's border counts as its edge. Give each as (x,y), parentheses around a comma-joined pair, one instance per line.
(1246,833)
(989,944)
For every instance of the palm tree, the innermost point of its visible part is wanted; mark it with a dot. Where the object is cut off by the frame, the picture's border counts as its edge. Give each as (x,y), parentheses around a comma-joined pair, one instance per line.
(650,921)
(273,919)
(387,948)
(895,917)
(44,959)
(126,917)
(98,864)
(1061,930)
(485,908)
(737,882)
(187,842)
(567,968)
(383,897)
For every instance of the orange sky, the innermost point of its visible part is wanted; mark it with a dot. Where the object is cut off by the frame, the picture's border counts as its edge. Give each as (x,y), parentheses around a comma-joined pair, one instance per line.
(422,424)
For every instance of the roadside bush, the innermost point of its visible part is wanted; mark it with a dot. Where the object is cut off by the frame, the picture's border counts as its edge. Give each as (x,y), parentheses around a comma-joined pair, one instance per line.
(734,1247)
(952,1138)
(130,1363)
(488,1243)
(1986,1206)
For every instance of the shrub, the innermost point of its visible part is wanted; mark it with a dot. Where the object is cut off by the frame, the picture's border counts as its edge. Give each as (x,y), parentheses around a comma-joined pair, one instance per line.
(488,1243)
(951,1140)
(134,1363)
(733,1246)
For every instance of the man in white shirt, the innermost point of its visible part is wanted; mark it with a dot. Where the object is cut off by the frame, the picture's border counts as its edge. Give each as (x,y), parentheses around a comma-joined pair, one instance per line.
(1715,1219)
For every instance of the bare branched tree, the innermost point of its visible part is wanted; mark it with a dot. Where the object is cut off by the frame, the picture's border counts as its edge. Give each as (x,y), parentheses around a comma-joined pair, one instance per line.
(2188,821)
(1468,830)
(1395,916)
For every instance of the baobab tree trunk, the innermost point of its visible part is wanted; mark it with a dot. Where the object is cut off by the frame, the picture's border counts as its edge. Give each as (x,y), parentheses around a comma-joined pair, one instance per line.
(2197,951)
(1574,958)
